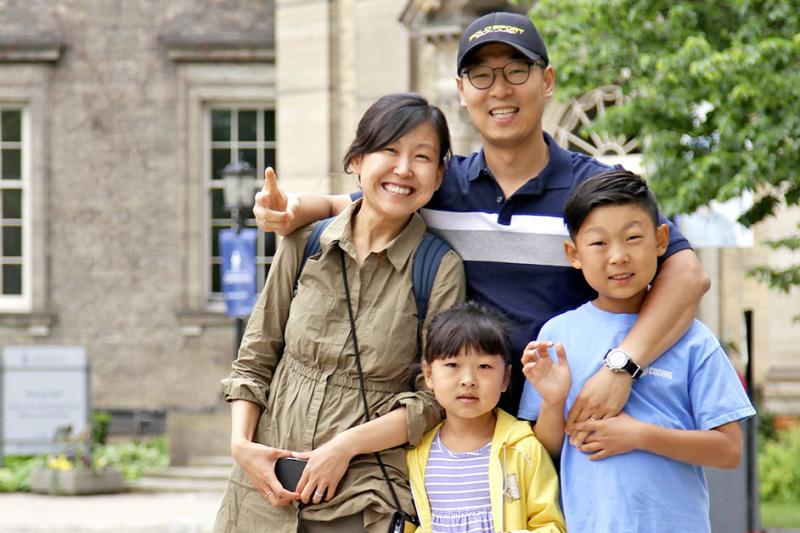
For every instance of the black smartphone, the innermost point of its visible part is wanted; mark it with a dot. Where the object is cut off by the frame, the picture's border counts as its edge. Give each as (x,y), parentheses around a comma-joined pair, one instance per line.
(288,471)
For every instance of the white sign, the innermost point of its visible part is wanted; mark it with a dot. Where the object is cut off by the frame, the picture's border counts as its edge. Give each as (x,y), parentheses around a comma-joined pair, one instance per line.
(43,388)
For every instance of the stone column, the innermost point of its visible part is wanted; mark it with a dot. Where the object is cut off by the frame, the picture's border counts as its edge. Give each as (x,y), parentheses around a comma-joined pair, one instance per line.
(303,95)
(334,59)
(709,310)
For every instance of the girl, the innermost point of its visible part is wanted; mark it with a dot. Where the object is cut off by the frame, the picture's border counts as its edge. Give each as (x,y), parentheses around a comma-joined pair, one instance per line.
(295,385)
(481,469)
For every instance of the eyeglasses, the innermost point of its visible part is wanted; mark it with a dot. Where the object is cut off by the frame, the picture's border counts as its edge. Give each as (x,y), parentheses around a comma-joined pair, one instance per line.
(515,72)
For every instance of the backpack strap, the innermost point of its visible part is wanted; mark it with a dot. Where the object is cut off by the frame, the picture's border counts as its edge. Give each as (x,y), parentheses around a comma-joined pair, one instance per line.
(429,256)
(426,264)
(313,246)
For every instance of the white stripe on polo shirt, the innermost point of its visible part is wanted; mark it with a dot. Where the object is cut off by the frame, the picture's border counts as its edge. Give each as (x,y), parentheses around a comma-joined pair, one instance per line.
(476,236)
(478,221)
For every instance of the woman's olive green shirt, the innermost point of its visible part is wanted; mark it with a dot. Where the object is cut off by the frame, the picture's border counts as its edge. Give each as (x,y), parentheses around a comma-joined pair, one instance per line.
(310,393)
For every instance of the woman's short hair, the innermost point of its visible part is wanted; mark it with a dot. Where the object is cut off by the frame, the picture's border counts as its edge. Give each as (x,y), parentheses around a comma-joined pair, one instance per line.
(391,117)
(469,325)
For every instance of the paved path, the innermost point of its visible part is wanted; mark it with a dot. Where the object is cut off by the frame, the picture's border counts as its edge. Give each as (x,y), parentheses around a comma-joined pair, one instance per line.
(189,512)
(113,513)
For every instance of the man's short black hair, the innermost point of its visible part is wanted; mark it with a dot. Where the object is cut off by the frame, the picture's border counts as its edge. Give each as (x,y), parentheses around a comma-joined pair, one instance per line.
(613,187)
(469,325)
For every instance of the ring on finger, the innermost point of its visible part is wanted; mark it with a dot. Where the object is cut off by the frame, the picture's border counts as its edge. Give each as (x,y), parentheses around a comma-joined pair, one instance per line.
(319,494)
(593,419)
(267,493)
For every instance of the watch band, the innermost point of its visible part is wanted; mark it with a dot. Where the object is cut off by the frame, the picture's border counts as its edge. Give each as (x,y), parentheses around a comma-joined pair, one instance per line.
(633,369)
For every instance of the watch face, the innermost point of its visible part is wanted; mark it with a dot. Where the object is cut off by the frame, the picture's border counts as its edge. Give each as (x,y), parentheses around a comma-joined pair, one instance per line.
(617,359)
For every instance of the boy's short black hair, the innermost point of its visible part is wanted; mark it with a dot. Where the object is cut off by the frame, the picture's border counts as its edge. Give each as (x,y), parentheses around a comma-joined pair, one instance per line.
(466,325)
(613,187)
(391,117)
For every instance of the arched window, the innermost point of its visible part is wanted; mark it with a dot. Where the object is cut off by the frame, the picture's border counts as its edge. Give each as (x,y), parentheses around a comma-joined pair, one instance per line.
(604,146)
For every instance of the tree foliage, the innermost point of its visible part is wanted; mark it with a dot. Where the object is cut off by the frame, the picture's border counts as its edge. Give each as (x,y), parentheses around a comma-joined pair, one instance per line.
(715,94)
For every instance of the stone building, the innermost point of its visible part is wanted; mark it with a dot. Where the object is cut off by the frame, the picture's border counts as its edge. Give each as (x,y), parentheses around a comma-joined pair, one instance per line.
(115,120)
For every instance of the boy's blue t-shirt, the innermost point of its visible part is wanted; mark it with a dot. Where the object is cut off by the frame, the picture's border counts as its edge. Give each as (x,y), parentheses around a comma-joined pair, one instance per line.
(691,386)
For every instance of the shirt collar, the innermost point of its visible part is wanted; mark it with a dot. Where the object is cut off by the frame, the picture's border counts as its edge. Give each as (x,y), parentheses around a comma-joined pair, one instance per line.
(557,174)
(399,249)
(478,166)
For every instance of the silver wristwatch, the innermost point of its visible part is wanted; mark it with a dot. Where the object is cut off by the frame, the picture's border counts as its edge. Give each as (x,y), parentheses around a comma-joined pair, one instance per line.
(618,360)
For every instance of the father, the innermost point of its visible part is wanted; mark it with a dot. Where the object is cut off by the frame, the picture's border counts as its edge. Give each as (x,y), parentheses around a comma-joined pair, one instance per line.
(501,209)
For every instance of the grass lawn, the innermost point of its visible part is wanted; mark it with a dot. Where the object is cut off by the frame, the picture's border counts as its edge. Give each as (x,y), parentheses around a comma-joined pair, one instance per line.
(780,514)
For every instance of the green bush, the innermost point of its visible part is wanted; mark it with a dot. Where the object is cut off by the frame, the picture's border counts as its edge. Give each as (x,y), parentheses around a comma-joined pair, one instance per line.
(133,457)
(100,423)
(16,475)
(779,467)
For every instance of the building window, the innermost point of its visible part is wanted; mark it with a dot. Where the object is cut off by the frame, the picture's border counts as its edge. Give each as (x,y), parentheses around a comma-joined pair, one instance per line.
(13,227)
(612,149)
(236,133)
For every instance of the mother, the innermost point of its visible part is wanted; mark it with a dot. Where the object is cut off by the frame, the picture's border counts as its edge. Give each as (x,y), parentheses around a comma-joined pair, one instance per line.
(295,384)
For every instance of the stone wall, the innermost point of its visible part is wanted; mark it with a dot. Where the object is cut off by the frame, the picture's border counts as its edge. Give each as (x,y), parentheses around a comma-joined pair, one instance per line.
(113,210)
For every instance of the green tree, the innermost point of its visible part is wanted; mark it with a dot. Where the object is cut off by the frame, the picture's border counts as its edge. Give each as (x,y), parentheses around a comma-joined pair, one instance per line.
(715,95)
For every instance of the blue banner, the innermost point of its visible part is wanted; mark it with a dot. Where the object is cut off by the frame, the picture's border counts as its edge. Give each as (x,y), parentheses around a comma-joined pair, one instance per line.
(238,270)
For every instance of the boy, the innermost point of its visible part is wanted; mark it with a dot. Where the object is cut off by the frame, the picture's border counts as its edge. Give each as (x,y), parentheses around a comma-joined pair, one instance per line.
(500,208)
(640,470)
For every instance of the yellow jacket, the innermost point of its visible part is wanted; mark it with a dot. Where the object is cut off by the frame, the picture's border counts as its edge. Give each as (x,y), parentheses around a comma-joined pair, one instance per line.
(522,481)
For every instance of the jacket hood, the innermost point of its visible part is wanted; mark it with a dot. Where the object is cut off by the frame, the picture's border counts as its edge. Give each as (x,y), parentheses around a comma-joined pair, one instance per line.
(510,430)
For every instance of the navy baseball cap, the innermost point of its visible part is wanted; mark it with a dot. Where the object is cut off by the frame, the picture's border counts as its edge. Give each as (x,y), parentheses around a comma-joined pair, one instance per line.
(512,29)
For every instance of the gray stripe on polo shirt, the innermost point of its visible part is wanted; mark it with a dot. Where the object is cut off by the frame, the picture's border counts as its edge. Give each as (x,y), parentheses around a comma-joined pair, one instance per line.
(507,247)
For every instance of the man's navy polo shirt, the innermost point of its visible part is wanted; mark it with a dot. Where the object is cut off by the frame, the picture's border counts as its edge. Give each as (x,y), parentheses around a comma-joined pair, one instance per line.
(512,247)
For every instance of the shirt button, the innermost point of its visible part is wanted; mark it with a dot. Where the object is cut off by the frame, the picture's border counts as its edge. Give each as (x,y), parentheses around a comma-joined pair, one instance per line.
(499,199)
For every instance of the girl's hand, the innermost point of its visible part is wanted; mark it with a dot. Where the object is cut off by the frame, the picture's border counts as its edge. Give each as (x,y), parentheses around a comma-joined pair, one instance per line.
(610,436)
(258,462)
(551,380)
(325,469)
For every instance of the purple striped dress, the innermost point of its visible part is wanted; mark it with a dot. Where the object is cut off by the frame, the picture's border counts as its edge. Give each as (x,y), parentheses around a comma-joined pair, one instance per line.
(457,484)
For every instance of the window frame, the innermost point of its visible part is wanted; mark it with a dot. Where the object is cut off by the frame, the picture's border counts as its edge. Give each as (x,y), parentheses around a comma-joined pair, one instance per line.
(21,302)
(204,85)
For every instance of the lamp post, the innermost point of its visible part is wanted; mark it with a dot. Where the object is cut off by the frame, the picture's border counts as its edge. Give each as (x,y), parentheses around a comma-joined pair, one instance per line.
(238,191)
